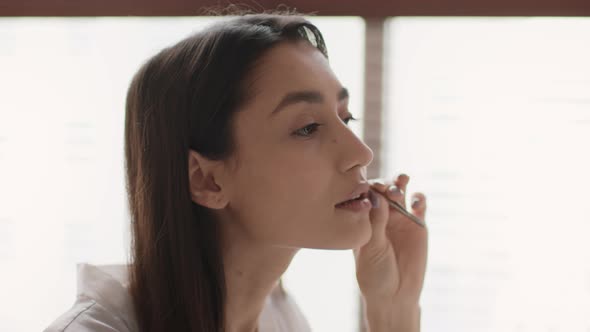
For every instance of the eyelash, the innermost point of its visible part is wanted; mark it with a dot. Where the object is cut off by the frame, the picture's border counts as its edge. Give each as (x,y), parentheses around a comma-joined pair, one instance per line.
(315,126)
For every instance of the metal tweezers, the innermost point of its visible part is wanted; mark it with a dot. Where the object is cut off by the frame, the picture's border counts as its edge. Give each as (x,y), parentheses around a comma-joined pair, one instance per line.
(402,210)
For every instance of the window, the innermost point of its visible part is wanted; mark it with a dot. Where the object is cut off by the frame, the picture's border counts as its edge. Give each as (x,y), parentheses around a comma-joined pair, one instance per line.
(491,118)
(64,82)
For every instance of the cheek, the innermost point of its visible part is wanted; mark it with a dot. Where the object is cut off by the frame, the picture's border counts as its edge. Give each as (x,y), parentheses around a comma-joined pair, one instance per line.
(285,195)
(297,210)
(283,200)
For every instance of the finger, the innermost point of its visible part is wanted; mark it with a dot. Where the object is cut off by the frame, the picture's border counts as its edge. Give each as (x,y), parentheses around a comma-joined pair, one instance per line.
(391,190)
(392,193)
(401,182)
(378,248)
(379,184)
(413,260)
(418,204)
(397,194)
(388,189)
(378,217)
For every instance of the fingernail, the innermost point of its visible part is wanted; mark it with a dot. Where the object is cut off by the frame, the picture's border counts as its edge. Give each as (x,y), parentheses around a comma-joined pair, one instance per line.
(416,202)
(376,181)
(394,190)
(374,199)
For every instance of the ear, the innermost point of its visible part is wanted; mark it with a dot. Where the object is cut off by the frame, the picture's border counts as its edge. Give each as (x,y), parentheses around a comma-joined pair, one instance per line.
(204,189)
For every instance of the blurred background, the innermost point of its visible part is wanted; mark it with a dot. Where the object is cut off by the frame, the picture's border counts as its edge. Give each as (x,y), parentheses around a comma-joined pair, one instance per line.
(486,106)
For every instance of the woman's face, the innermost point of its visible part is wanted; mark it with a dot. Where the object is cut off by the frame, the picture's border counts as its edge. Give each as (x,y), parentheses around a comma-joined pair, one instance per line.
(291,173)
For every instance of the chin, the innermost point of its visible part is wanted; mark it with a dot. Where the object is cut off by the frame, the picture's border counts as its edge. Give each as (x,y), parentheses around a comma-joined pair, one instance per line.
(360,235)
(348,238)
(361,238)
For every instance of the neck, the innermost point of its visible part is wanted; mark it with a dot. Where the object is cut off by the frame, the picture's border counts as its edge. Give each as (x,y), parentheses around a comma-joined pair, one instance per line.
(252,271)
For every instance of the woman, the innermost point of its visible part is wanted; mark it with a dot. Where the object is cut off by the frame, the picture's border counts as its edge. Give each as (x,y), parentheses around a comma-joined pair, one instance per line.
(238,154)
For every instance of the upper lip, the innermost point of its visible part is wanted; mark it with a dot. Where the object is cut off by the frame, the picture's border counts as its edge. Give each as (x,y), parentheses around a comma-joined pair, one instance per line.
(361,189)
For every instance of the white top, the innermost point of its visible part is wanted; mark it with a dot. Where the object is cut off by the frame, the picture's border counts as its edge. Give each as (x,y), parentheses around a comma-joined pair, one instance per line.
(104,304)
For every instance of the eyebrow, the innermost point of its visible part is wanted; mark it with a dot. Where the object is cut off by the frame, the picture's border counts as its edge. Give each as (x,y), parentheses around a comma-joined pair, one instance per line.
(307,96)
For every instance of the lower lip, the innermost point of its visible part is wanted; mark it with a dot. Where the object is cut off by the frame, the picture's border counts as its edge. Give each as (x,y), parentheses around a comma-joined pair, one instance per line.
(356,206)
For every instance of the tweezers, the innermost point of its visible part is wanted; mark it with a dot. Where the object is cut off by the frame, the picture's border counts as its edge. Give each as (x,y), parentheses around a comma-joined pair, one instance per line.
(402,210)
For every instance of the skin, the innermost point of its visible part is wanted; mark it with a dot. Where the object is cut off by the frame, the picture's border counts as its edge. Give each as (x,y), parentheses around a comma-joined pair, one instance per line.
(278,193)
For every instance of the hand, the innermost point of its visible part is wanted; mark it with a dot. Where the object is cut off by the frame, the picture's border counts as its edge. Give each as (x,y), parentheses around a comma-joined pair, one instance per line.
(390,267)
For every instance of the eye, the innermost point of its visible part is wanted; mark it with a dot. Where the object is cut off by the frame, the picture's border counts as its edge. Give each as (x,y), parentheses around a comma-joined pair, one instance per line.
(307,130)
(349,118)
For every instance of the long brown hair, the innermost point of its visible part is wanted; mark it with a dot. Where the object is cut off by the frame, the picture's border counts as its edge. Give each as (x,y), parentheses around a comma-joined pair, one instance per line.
(184,98)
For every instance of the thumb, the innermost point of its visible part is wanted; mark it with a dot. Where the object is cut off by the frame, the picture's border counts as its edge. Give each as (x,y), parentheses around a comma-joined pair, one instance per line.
(378,217)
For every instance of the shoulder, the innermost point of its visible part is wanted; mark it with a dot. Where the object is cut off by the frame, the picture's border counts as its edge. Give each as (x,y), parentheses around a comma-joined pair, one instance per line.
(102,303)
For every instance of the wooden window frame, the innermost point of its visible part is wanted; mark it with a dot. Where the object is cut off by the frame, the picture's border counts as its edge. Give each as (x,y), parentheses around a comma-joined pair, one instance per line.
(367,8)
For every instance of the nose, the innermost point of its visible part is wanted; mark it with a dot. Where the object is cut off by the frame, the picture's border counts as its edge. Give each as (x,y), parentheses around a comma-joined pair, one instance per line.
(353,151)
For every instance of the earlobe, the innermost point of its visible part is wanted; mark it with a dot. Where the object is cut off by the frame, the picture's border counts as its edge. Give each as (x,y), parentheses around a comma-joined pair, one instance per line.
(203,189)
(208,200)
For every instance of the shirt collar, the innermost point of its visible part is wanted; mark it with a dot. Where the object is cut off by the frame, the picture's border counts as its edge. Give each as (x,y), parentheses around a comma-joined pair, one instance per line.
(108,286)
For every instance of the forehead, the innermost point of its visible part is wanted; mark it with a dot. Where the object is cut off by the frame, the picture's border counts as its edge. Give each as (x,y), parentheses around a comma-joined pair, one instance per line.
(291,66)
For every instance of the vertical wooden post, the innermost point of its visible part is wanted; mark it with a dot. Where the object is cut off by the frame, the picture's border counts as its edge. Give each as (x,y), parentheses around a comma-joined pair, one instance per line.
(373,105)
(374,80)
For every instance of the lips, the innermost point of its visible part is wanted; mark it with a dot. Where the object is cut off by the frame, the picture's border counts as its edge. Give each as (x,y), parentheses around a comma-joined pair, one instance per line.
(360,192)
